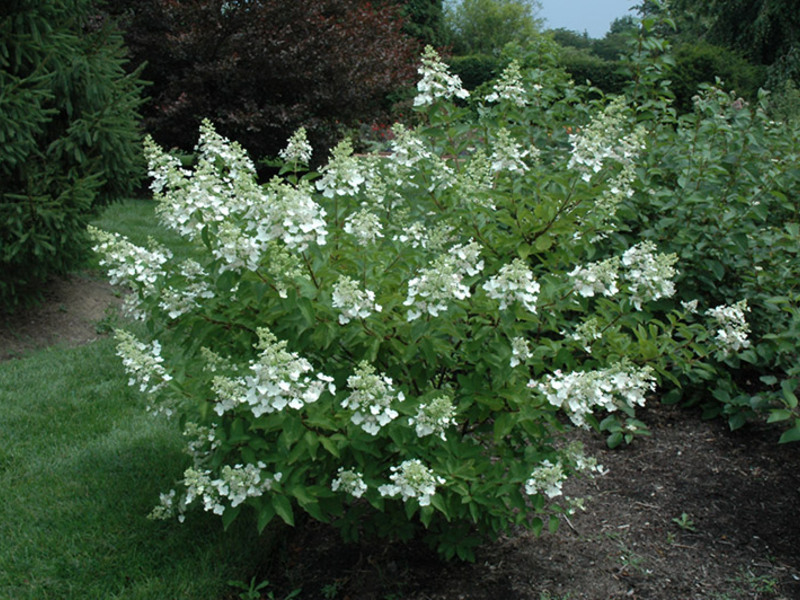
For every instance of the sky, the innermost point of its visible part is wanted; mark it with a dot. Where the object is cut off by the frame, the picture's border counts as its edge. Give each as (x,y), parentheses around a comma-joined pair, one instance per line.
(592,16)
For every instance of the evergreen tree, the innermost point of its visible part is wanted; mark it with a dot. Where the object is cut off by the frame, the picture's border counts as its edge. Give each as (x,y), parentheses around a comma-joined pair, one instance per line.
(68,135)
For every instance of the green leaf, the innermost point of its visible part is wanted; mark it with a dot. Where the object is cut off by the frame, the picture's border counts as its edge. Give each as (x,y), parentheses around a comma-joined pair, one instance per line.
(229,516)
(265,516)
(552,526)
(779,415)
(791,435)
(283,508)
(503,426)
(330,446)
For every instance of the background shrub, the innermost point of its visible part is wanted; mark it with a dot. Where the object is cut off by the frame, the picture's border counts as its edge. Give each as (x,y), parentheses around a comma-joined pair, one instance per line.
(259,70)
(68,133)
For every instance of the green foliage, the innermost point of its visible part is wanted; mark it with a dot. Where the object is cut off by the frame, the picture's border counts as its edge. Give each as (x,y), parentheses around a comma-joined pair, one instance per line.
(68,132)
(699,63)
(719,188)
(475,69)
(486,26)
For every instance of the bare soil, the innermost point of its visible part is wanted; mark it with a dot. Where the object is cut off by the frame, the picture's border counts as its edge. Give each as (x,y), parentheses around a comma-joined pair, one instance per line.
(694,512)
(72,312)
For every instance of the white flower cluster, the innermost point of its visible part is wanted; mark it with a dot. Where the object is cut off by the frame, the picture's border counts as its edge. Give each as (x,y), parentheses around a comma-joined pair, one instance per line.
(412,479)
(371,399)
(279,379)
(350,482)
(586,333)
(546,478)
(353,302)
(441,282)
(508,154)
(235,484)
(648,274)
(578,393)
(602,140)
(408,148)
(342,176)
(365,226)
(434,417)
(476,180)
(236,249)
(520,351)
(596,278)
(184,298)
(127,263)
(732,334)
(509,86)
(514,283)
(223,183)
(298,149)
(289,214)
(437,81)
(142,363)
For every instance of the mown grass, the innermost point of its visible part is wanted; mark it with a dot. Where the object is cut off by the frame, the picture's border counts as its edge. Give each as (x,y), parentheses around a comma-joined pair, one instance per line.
(82,464)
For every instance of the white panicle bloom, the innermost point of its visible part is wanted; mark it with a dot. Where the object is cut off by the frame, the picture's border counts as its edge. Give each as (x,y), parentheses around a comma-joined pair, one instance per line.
(279,379)
(587,332)
(184,298)
(580,392)
(596,278)
(415,234)
(476,180)
(236,249)
(240,482)
(508,154)
(547,478)
(289,214)
(224,182)
(350,482)
(732,334)
(514,283)
(582,463)
(365,226)
(408,148)
(142,363)
(441,282)
(467,258)
(434,417)
(437,81)
(342,176)
(298,149)
(648,274)
(509,86)
(371,399)
(520,351)
(165,170)
(690,306)
(200,440)
(412,479)
(166,507)
(235,484)
(353,302)
(603,140)
(127,263)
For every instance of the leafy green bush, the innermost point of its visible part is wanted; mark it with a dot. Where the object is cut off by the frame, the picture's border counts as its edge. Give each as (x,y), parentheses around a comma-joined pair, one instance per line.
(720,189)
(397,343)
(701,62)
(475,69)
(68,132)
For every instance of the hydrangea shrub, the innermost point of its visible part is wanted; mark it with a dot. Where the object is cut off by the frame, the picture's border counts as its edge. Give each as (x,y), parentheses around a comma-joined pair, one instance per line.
(399,343)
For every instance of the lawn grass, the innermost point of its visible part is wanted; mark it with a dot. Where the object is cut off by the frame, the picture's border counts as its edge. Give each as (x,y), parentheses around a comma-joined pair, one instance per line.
(81,466)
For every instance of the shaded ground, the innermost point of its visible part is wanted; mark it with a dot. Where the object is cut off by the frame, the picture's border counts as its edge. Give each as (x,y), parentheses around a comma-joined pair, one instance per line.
(739,492)
(74,311)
